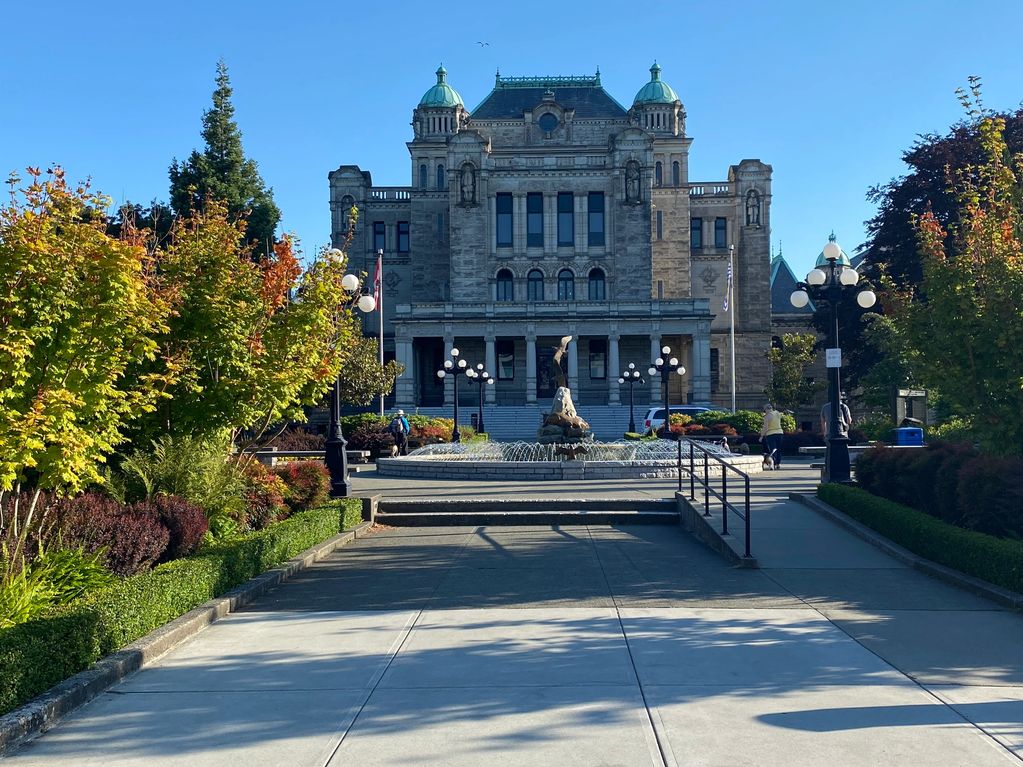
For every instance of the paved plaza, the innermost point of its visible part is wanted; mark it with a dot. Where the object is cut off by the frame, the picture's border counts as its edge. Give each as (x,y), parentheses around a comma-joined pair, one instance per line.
(579,646)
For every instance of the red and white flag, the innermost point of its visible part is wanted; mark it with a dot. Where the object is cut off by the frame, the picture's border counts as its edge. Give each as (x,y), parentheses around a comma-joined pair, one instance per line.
(377,278)
(728,287)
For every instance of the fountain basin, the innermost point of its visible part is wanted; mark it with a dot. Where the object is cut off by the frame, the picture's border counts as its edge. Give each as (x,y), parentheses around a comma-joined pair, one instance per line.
(531,461)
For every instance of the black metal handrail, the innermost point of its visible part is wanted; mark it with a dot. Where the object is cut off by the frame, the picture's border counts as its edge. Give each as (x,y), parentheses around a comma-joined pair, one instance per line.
(709,491)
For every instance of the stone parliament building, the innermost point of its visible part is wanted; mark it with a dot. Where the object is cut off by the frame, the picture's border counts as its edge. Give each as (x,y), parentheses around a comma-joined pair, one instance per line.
(552,210)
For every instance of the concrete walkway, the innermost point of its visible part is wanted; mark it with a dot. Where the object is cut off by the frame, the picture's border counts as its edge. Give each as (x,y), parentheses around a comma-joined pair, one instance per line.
(580,646)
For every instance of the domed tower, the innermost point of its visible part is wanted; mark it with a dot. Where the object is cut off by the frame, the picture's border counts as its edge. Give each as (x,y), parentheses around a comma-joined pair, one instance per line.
(657,108)
(439,111)
(434,121)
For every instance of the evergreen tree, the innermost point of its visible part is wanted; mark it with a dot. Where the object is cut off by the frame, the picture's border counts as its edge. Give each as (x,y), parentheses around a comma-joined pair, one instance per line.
(222,172)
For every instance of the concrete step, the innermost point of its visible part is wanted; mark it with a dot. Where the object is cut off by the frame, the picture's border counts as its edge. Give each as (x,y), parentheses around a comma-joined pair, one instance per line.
(485,518)
(527,512)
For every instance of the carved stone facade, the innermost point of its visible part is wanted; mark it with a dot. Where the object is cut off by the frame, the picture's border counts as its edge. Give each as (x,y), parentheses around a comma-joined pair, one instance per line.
(549,210)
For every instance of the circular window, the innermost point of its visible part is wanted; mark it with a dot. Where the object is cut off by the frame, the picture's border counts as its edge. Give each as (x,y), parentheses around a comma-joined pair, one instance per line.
(547,122)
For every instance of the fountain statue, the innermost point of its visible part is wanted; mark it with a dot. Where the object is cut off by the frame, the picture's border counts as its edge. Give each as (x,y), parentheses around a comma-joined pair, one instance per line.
(563,425)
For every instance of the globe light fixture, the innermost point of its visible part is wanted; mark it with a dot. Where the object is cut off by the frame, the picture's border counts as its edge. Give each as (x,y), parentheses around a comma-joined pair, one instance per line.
(832,251)
(335,255)
(849,276)
(350,283)
(441,373)
(664,366)
(866,299)
(651,371)
(673,362)
(799,298)
(816,277)
(367,304)
(665,350)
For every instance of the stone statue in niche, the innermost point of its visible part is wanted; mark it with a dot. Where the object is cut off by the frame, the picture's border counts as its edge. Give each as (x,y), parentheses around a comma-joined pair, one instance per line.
(347,203)
(752,208)
(632,181)
(468,184)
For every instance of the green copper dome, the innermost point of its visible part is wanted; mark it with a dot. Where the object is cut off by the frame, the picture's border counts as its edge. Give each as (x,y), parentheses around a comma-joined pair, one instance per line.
(442,94)
(843,259)
(656,91)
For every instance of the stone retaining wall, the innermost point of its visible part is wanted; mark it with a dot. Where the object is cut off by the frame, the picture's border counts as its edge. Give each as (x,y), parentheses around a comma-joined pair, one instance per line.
(439,468)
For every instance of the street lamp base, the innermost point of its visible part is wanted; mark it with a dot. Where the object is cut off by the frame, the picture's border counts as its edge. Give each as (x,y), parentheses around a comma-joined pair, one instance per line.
(836,461)
(341,489)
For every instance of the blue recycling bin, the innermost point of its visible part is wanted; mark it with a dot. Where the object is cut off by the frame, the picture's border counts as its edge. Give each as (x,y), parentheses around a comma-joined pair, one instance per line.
(908,436)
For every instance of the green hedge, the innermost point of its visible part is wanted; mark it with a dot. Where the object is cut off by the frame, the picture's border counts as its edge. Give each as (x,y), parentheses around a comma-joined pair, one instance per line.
(36,655)
(995,560)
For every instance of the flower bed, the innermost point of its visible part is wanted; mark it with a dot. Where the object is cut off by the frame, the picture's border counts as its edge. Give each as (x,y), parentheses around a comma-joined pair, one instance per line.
(38,654)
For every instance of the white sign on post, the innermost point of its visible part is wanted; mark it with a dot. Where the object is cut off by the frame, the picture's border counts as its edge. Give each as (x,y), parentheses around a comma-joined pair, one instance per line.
(833,358)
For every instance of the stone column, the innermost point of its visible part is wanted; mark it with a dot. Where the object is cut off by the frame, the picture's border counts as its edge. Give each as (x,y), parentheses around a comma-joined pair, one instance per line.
(491,363)
(613,370)
(573,365)
(654,380)
(449,344)
(405,387)
(530,369)
(701,366)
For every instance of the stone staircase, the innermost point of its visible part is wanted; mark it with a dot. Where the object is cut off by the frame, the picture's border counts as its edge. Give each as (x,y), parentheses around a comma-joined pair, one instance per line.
(403,513)
(520,422)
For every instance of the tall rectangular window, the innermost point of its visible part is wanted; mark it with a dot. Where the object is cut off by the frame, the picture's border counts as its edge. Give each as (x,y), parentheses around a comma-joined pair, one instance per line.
(696,233)
(403,237)
(379,236)
(598,358)
(715,369)
(534,220)
(505,349)
(595,218)
(720,232)
(566,218)
(504,220)
(660,224)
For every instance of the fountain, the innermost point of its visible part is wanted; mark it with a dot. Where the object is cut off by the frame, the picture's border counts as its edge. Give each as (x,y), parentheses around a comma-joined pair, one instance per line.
(564,449)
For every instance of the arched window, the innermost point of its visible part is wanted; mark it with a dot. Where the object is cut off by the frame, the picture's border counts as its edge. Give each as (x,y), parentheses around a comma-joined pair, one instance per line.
(566,285)
(597,285)
(658,179)
(505,286)
(422,176)
(534,285)
(676,174)
(440,176)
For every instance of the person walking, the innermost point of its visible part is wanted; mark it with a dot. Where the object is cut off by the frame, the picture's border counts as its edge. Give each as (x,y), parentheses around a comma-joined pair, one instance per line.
(771,435)
(399,429)
(844,419)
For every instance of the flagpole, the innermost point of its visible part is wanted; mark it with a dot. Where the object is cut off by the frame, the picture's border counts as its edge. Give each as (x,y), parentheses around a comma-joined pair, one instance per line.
(731,318)
(380,316)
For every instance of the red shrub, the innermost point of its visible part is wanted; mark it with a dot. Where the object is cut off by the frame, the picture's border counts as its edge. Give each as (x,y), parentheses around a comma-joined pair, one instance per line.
(264,496)
(990,496)
(133,539)
(307,482)
(374,437)
(299,439)
(186,523)
(723,430)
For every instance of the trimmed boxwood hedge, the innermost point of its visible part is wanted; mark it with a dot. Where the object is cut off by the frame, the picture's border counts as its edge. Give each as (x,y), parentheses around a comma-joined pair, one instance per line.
(38,654)
(995,560)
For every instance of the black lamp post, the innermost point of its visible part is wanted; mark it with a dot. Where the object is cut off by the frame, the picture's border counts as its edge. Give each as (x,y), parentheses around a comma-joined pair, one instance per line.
(665,366)
(336,456)
(830,282)
(453,366)
(481,378)
(631,377)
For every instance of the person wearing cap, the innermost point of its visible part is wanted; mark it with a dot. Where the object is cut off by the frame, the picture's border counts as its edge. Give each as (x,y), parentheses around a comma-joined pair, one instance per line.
(771,434)
(399,429)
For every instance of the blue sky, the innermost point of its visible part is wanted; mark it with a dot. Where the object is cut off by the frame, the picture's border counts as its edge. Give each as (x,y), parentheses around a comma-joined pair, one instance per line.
(829,93)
